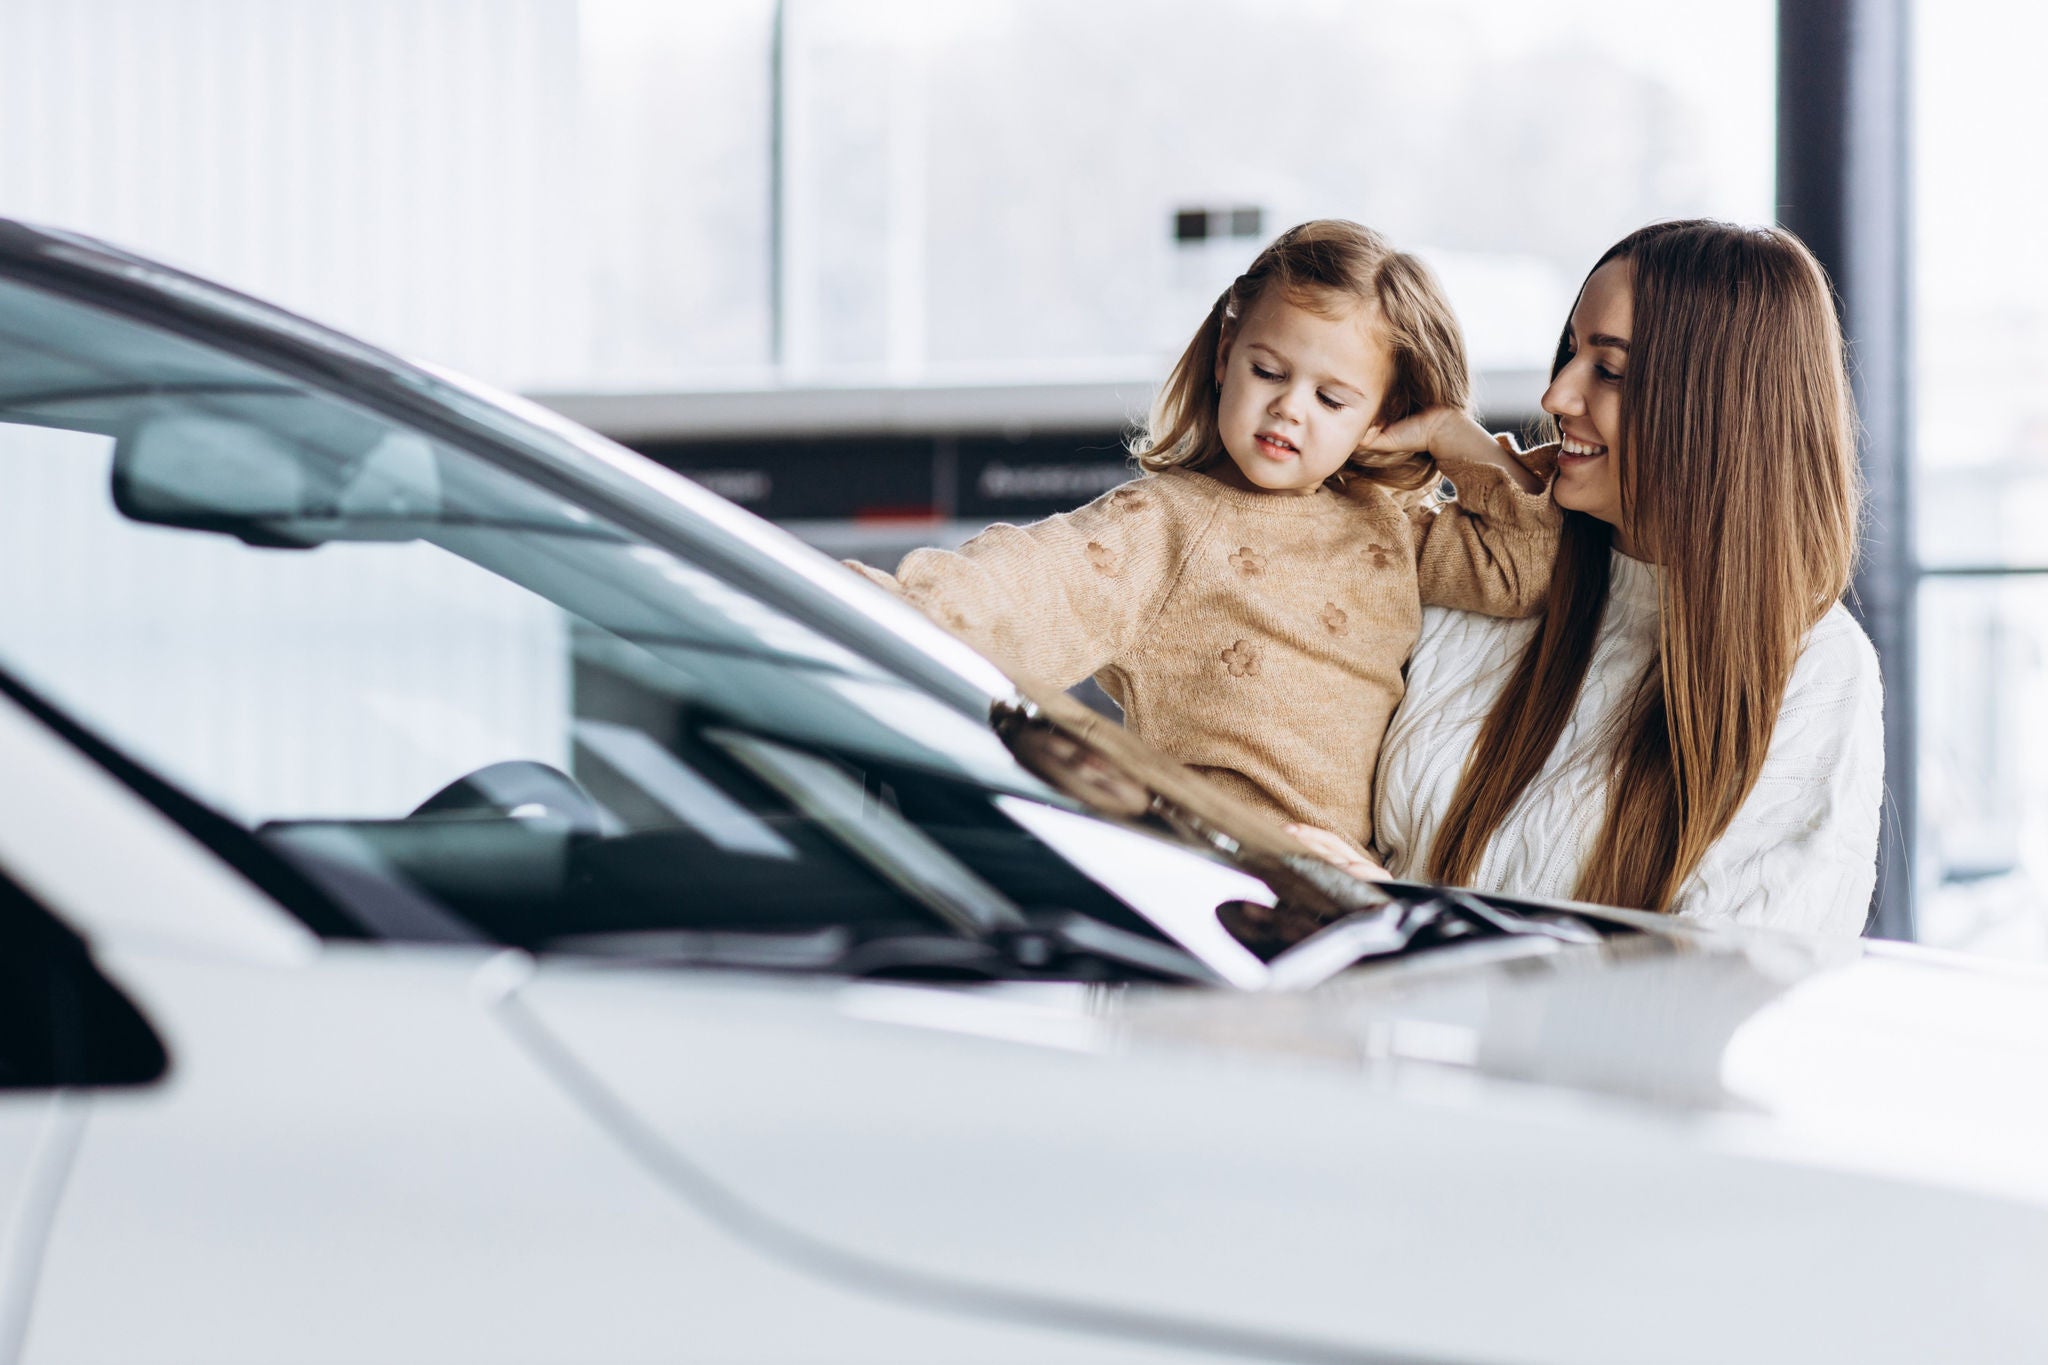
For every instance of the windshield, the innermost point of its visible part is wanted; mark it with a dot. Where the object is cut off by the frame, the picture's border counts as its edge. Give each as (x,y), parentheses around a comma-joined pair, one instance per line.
(467,707)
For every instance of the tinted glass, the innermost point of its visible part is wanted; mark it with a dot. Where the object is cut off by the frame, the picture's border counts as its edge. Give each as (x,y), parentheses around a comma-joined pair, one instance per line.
(465,705)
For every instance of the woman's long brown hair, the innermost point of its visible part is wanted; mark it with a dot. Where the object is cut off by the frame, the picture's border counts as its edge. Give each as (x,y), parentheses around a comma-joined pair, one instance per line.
(1739,480)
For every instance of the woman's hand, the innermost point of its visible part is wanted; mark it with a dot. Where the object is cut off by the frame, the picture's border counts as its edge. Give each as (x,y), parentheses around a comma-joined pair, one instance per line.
(1334,850)
(1447,434)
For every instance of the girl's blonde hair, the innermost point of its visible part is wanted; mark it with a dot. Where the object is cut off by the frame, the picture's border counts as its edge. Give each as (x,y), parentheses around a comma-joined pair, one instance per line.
(1737,464)
(1326,265)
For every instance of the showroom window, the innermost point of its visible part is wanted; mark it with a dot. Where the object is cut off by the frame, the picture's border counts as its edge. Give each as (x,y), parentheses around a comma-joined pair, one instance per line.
(1981,481)
(976,190)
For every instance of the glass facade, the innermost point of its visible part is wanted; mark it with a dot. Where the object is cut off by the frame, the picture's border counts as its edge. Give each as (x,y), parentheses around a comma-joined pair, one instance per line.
(1061,187)
(1981,486)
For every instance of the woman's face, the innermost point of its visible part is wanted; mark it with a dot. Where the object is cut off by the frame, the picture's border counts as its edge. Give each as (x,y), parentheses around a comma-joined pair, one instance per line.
(1586,397)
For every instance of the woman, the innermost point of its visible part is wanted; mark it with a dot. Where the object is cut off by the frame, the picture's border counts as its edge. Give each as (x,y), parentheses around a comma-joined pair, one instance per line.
(1694,724)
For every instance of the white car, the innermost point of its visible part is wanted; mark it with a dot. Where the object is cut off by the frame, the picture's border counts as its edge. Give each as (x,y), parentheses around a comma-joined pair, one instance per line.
(469,894)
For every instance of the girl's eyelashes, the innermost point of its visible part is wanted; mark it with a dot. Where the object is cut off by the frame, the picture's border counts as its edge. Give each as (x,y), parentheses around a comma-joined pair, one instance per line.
(1274,377)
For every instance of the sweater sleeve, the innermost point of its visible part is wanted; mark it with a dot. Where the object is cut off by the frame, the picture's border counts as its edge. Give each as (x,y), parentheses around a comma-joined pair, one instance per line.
(1492,549)
(1058,600)
(1801,853)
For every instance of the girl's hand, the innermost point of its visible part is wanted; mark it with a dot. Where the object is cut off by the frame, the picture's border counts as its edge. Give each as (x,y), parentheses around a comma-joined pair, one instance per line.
(1424,431)
(1447,434)
(1334,850)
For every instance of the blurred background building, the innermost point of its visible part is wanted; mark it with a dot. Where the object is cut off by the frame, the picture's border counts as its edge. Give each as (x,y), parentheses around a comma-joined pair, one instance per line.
(886,270)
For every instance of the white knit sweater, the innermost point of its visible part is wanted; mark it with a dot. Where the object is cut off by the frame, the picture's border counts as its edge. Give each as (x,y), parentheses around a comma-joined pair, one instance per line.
(1801,853)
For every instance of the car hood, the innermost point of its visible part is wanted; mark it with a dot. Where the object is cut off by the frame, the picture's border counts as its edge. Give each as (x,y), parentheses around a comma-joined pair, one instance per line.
(1765,1122)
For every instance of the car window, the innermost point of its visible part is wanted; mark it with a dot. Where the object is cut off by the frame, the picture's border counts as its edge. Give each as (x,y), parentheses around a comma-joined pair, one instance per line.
(463,703)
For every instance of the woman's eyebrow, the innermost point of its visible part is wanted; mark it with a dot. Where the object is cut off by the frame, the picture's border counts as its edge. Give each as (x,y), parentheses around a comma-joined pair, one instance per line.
(1610,342)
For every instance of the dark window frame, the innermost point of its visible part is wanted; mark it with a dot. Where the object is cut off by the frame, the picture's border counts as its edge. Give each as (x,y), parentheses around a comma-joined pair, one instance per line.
(1844,184)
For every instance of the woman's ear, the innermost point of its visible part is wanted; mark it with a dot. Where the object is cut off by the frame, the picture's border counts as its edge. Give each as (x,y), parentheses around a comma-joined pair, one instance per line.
(1222,355)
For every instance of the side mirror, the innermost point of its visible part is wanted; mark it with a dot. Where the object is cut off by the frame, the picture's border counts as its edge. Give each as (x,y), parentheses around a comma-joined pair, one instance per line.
(63,1024)
(268,484)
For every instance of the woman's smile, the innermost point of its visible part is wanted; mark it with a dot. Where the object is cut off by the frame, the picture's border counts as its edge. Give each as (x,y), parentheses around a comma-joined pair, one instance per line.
(1574,453)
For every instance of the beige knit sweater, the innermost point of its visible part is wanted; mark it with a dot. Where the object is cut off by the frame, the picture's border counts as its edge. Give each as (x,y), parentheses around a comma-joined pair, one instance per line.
(1258,637)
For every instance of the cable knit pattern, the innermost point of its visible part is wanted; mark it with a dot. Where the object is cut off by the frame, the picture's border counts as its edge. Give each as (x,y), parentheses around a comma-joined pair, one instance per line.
(1801,852)
(1242,631)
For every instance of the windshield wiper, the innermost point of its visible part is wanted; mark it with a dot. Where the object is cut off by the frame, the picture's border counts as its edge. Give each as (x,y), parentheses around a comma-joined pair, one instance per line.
(1052,945)
(1067,945)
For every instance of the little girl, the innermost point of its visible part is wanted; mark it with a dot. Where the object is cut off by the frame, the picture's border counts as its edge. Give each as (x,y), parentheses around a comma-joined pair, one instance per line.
(1251,599)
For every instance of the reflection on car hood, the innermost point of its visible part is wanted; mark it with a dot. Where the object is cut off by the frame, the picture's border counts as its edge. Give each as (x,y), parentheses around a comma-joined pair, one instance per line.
(1683,1117)
(1876,1054)
(1873,1055)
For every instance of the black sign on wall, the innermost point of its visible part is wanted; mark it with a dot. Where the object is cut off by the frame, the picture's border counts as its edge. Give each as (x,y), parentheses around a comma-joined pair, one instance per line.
(1036,476)
(811,477)
(904,478)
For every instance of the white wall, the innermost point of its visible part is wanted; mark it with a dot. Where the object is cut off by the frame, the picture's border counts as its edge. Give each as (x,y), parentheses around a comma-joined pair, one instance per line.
(574,194)
(404,169)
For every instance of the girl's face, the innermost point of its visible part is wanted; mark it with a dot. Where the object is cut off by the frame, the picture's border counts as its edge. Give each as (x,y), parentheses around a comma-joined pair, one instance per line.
(1585,398)
(1299,391)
